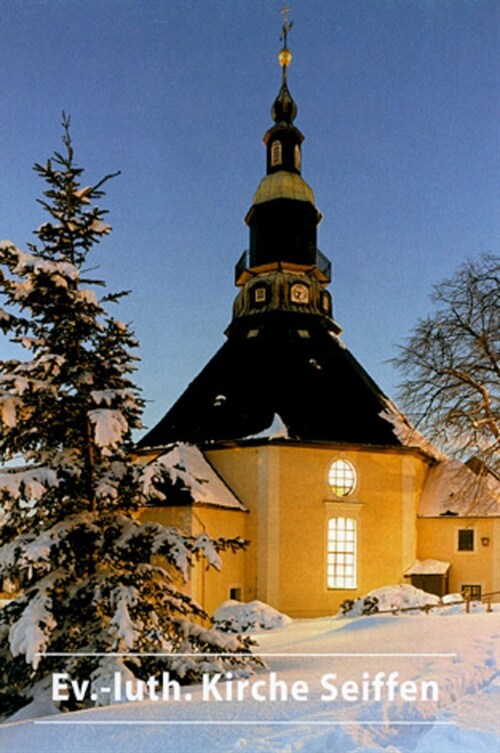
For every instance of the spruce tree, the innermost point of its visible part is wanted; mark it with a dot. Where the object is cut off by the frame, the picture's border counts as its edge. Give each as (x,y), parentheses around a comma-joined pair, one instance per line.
(70,491)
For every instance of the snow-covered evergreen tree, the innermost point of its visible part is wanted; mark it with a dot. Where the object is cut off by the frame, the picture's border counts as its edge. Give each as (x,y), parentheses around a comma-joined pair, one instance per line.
(69,531)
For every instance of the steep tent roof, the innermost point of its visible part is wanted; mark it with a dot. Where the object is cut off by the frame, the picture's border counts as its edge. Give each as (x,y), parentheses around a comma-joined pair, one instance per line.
(292,365)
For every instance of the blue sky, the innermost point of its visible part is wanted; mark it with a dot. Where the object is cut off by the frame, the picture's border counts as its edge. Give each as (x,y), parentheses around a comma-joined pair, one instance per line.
(398,101)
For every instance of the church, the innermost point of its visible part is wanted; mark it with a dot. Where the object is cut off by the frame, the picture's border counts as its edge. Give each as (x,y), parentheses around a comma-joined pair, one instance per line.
(295,449)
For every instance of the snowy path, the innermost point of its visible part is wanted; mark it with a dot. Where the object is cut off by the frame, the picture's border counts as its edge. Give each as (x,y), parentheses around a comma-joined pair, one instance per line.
(458,652)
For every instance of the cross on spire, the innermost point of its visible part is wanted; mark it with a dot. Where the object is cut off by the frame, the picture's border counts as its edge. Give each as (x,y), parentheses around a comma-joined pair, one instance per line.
(287,25)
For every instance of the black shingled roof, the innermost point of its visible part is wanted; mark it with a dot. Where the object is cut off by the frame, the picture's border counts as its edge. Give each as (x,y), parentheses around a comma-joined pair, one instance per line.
(284,363)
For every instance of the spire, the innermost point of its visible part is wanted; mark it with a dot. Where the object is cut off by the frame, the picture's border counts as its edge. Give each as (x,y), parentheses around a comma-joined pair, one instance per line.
(284,109)
(283,139)
(283,270)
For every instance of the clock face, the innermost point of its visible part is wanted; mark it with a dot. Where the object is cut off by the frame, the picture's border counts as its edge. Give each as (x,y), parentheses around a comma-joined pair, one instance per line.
(299,293)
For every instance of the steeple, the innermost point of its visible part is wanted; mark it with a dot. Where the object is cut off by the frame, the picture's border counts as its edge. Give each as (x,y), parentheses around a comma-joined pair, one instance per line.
(284,109)
(283,268)
(282,356)
(283,140)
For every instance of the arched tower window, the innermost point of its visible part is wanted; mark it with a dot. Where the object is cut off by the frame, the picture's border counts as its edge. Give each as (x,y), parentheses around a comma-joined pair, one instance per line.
(341,553)
(297,157)
(276,153)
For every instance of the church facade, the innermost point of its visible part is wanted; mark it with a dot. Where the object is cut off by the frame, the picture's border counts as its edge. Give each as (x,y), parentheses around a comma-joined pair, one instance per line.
(300,452)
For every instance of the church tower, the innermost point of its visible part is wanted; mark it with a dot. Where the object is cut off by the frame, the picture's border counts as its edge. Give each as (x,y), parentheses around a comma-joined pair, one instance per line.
(283,362)
(283,223)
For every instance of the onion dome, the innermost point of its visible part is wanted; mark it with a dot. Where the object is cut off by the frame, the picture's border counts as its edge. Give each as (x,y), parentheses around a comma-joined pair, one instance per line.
(284,109)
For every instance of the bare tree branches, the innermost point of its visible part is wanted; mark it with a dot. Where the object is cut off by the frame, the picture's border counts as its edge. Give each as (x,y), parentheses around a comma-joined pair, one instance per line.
(452,366)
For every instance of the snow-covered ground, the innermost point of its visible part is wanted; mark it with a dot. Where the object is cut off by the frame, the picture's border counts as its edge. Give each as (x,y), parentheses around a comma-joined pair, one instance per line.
(446,649)
(254,616)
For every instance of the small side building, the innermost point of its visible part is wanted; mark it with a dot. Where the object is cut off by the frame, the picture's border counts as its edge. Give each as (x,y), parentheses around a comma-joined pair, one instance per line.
(458,521)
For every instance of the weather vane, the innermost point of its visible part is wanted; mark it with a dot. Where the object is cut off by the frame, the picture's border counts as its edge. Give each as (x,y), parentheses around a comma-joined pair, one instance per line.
(287,25)
(285,56)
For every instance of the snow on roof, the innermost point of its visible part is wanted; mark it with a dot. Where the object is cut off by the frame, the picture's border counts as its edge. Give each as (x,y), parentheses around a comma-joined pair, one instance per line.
(276,430)
(452,488)
(428,567)
(407,434)
(187,462)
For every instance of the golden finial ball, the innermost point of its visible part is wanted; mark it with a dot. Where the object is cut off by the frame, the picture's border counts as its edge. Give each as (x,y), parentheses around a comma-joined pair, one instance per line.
(285,57)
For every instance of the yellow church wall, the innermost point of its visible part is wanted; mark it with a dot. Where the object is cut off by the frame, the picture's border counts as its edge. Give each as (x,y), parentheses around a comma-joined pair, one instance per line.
(383,503)
(246,470)
(208,587)
(211,587)
(285,487)
(414,475)
(179,517)
(438,539)
(168,515)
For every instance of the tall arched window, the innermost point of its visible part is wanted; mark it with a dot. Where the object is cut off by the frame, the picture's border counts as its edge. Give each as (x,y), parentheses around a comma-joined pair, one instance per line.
(276,153)
(341,553)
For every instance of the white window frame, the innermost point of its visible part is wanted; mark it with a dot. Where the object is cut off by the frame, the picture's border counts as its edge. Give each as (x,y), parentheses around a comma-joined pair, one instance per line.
(341,553)
(471,586)
(342,477)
